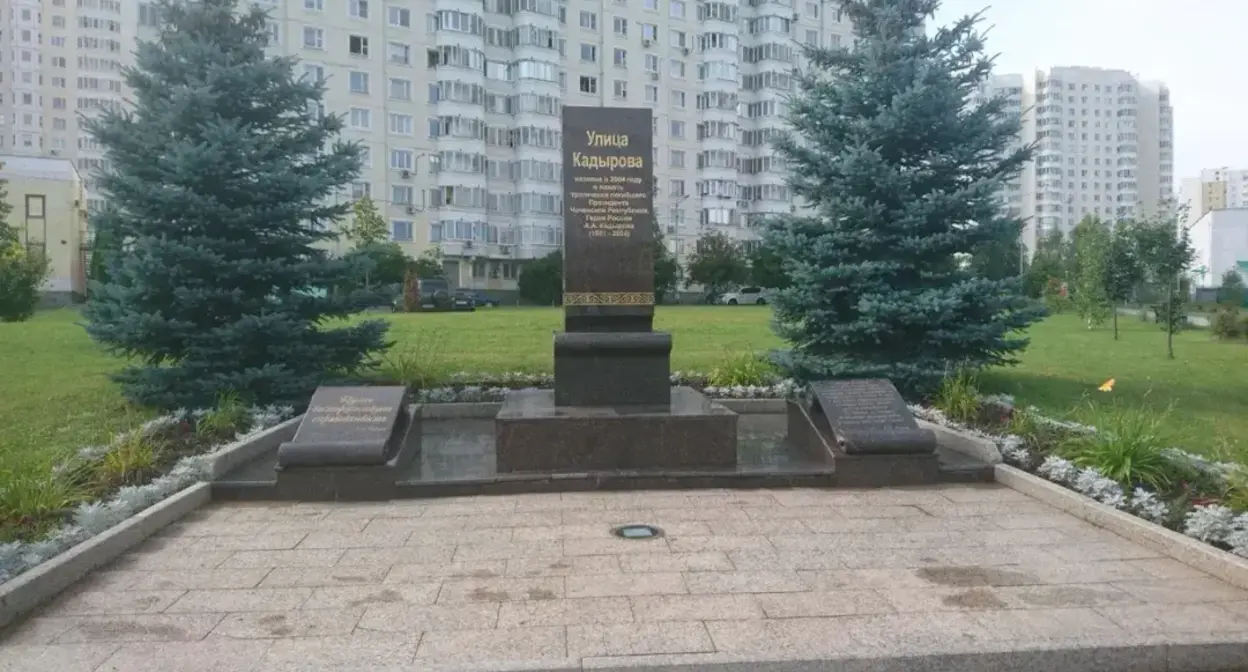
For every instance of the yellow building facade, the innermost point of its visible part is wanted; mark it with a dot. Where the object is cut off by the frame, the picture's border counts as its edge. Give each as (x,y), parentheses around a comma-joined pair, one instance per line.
(49,212)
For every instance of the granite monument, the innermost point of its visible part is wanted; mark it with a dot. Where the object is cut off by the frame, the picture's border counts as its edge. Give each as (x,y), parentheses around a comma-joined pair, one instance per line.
(612,406)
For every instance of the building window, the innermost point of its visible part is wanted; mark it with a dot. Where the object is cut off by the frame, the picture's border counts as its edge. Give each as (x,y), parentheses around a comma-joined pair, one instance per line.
(400,89)
(318,5)
(361,118)
(620,58)
(588,84)
(35,206)
(361,190)
(589,53)
(401,16)
(676,9)
(401,159)
(589,20)
(401,195)
(358,81)
(401,229)
(313,38)
(400,53)
(358,8)
(620,25)
(358,45)
(402,124)
(620,89)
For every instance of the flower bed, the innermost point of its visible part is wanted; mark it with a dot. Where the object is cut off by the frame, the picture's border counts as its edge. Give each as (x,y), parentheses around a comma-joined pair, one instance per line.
(1189,494)
(105,485)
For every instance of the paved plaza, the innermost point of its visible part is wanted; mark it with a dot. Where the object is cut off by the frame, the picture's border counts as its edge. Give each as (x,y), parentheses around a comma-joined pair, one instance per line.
(538,582)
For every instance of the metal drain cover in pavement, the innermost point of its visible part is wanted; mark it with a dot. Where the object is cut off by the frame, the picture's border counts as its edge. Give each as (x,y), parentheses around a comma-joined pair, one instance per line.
(637,532)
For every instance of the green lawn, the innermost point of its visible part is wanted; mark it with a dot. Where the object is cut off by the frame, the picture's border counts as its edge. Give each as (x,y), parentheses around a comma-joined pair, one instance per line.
(54,395)
(1204,388)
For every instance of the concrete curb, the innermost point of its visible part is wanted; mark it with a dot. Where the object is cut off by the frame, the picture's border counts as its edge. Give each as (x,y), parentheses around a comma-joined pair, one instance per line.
(984,450)
(41,583)
(1137,653)
(232,455)
(45,581)
(1191,552)
(486,410)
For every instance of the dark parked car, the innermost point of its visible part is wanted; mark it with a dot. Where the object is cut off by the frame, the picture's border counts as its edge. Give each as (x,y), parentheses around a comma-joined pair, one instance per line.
(462,300)
(483,299)
(435,294)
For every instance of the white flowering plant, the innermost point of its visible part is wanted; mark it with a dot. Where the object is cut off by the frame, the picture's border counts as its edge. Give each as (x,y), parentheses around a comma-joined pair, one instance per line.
(1203,518)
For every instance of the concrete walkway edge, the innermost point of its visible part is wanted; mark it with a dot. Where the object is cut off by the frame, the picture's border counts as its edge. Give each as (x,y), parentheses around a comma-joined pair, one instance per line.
(42,583)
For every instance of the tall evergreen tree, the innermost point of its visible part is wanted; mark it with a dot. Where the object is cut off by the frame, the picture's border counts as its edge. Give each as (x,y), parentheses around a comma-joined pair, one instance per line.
(901,173)
(218,185)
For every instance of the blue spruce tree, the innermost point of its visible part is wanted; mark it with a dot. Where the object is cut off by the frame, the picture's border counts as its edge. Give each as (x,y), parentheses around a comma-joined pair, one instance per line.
(217,187)
(900,173)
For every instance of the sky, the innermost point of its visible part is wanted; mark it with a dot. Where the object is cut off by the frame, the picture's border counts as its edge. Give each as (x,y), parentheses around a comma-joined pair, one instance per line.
(1194,46)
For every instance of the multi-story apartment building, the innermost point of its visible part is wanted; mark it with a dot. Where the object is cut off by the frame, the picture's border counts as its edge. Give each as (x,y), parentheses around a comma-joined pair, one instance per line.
(1105,146)
(1215,189)
(60,59)
(458,103)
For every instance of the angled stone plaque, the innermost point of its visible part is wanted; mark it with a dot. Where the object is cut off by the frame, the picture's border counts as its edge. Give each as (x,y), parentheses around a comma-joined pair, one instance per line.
(348,426)
(869,416)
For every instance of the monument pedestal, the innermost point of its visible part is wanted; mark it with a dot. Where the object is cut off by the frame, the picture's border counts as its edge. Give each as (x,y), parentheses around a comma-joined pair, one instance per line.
(613,369)
(533,433)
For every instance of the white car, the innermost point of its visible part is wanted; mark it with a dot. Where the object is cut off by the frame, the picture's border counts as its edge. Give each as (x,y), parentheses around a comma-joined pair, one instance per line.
(746,296)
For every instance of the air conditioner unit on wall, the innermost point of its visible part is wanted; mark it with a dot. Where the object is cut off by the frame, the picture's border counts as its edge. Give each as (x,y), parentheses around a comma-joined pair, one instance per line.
(411,210)
(405,174)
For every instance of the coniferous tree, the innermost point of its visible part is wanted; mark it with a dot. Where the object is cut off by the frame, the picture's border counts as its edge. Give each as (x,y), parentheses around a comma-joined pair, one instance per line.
(901,174)
(218,186)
